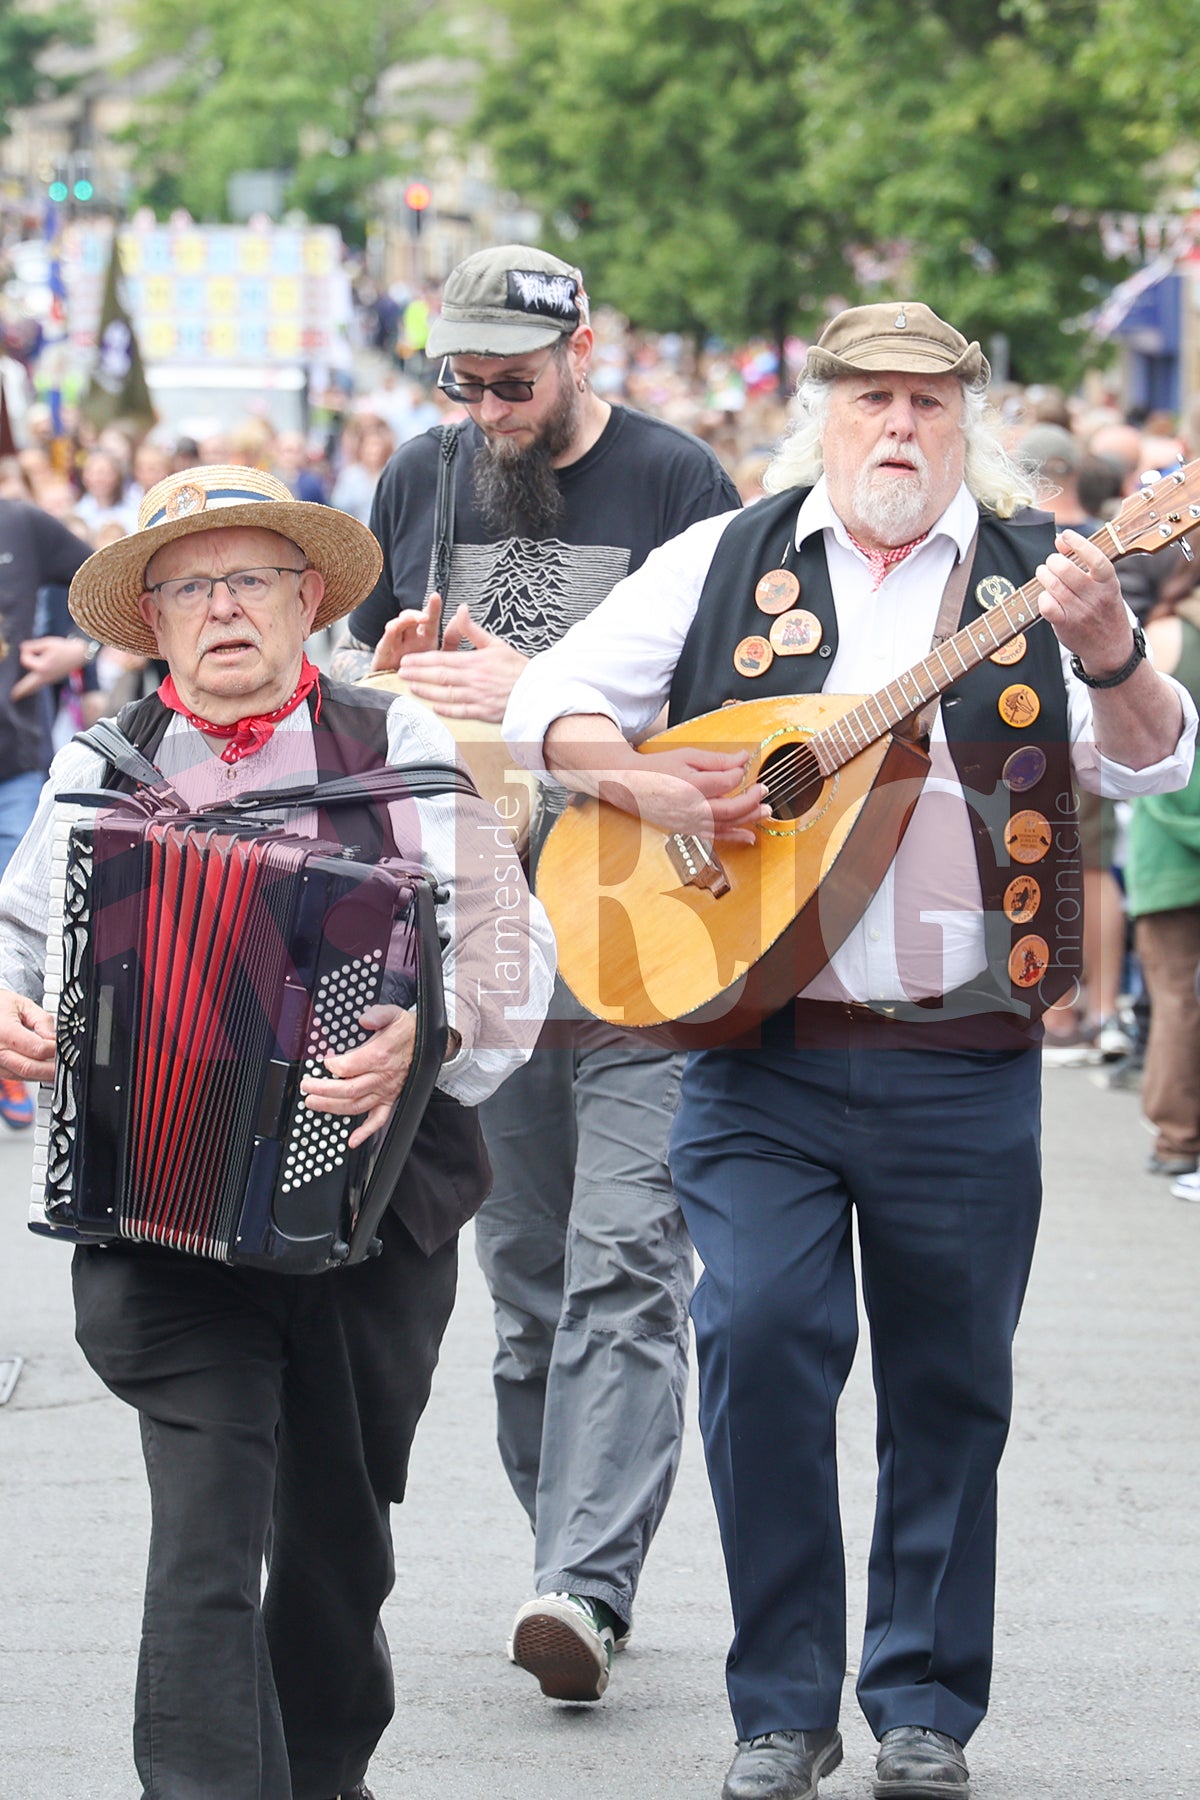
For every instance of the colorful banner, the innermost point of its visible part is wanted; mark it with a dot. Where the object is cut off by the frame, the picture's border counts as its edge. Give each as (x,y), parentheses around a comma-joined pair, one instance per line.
(226,293)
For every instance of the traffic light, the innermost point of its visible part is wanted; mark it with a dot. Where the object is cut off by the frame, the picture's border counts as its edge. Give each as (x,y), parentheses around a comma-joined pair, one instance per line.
(416,198)
(57,189)
(81,180)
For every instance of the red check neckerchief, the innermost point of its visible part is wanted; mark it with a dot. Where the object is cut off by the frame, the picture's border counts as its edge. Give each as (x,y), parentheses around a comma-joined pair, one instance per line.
(248,735)
(882,562)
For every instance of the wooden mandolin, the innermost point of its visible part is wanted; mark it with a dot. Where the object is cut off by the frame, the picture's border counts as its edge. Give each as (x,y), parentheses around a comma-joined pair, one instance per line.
(694,943)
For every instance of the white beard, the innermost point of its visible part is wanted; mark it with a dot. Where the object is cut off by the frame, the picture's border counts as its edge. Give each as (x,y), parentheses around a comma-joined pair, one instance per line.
(893,508)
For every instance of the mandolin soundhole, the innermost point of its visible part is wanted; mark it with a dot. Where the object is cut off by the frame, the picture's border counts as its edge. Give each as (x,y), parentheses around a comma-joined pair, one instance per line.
(793,780)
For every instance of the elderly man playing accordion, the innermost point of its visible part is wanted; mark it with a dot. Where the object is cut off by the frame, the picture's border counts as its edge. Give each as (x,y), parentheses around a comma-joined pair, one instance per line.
(277,1410)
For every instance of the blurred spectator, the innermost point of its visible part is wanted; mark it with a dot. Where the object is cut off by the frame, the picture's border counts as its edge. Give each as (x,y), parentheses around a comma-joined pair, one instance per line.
(14,484)
(103,496)
(249,444)
(290,464)
(358,477)
(1162,875)
(1071,1035)
(747,474)
(152,463)
(1098,482)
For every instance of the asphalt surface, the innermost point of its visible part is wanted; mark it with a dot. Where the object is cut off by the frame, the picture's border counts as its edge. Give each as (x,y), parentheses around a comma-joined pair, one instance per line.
(1097,1684)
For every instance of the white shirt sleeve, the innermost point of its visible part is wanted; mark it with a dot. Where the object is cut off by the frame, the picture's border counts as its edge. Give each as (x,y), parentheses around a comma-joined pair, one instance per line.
(1098,773)
(25,888)
(499,957)
(620,659)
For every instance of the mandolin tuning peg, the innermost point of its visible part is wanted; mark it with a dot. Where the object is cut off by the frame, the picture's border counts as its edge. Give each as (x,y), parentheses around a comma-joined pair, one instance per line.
(1148,477)
(1189,555)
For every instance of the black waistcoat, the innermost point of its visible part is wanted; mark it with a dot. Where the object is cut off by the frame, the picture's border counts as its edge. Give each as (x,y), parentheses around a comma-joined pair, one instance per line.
(447,1176)
(982,744)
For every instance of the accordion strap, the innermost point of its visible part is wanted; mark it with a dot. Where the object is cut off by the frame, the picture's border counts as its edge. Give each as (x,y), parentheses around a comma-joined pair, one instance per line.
(107,739)
(390,781)
(393,781)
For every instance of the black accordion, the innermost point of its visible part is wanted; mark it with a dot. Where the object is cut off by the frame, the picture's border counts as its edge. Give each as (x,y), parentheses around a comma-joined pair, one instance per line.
(207,965)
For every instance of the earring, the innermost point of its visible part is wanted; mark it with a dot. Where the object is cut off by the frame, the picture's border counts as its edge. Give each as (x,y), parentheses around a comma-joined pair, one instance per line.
(581,384)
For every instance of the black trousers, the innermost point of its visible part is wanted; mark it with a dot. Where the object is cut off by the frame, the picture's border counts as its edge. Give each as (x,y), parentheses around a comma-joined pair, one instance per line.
(277,1413)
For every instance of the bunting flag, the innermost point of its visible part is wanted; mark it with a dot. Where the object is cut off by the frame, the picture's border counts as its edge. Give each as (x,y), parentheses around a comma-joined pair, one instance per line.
(117,389)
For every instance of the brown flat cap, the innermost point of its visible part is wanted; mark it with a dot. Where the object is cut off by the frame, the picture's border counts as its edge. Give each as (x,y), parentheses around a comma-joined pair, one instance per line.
(899,335)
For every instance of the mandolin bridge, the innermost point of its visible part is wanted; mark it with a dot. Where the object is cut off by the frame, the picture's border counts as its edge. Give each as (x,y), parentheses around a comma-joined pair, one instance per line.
(696,864)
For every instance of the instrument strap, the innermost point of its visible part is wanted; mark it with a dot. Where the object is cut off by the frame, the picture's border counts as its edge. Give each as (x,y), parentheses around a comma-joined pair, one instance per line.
(393,781)
(390,781)
(443,517)
(107,739)
(947,620)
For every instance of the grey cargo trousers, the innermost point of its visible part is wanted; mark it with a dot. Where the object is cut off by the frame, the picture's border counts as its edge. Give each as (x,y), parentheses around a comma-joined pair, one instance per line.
(590,1270)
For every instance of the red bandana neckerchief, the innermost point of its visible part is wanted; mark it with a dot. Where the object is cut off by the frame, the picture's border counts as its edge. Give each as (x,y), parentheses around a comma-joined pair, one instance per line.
(248,735)
(882,562)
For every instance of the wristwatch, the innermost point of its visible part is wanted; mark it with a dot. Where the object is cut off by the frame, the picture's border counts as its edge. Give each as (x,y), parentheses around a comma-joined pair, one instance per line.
(1136,655)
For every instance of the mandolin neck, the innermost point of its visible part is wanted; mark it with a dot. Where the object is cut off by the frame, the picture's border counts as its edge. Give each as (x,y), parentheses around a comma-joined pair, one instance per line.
(948,662)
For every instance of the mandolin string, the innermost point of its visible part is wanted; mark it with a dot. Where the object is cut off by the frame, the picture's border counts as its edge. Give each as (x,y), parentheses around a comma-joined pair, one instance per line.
(788,764)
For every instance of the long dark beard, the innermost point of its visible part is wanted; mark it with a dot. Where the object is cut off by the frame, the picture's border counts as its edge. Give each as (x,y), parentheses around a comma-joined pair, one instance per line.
(516,489)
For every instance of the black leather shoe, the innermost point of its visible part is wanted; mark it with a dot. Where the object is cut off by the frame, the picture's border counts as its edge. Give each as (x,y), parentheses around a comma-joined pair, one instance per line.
(915,1763)
(361,1792)
(782,1765)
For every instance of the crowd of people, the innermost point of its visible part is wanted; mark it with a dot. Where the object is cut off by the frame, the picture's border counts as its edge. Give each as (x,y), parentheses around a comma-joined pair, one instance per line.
(574,530)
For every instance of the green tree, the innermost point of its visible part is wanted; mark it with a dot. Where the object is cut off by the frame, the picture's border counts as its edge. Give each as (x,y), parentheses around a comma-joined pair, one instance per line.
(273,85)
(659,137)
(995,173)
(24,37)
(734,165)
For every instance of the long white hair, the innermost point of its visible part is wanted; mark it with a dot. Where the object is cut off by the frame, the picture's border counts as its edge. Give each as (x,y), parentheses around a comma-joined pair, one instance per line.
(993,478)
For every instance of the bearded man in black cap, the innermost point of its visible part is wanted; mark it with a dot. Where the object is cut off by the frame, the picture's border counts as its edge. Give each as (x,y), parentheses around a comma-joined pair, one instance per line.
(550,496)
(902,1084)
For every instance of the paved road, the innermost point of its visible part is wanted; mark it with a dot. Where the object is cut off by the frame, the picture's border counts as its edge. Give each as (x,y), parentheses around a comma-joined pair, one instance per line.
(1097,1690)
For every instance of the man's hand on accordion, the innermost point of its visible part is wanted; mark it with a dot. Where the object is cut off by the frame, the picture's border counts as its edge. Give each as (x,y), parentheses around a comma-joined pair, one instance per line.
(367,1080)
(26,1038)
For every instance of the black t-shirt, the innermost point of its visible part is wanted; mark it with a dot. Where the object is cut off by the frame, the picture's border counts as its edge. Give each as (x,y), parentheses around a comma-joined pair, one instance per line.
(641,483)
(36,551)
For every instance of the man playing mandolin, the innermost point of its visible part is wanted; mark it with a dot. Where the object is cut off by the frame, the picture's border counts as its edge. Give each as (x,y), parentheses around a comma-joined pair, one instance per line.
(901,1081)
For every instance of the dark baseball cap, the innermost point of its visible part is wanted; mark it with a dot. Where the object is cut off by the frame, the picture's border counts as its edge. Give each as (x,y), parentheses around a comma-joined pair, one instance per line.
(505,301)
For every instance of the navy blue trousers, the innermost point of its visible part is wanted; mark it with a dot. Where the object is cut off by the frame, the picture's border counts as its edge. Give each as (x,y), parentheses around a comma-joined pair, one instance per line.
(937,1153)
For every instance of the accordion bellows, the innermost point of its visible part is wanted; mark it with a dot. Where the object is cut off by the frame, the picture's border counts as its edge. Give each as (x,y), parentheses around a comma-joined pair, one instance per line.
(206,967)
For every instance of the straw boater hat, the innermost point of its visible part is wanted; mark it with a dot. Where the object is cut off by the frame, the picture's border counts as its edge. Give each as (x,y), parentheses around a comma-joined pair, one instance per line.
(105,592)
(901,336)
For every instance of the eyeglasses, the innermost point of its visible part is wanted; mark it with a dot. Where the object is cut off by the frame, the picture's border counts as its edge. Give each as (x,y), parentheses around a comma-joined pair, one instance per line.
(187,592)
(470,393)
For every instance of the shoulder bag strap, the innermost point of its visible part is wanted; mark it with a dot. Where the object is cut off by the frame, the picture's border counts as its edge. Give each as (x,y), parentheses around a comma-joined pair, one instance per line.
(443,516)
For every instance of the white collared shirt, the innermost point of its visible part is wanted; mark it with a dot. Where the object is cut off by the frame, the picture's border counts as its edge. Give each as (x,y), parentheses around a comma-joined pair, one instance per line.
(922,933)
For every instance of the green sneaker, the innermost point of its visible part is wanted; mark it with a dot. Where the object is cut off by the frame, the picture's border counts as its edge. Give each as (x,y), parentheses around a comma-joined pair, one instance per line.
(567,1641)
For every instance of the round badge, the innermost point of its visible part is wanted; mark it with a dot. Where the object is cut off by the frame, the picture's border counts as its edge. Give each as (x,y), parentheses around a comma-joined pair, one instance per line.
(753,656)
(1018,705)
(1027,836)
(1010,653)
(1028,962)
(777,591)
(993,589)
(185,500)
(1022,898)
(1024,768)
(795,633)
